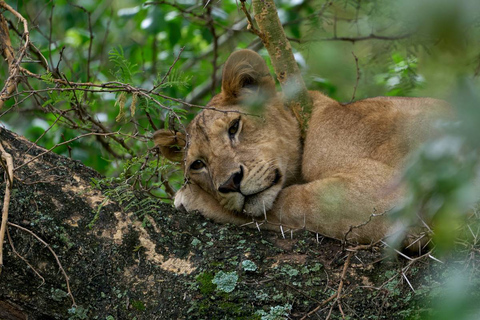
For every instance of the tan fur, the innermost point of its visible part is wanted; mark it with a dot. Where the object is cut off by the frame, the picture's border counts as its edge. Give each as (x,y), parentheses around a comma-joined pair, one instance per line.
(340,185)
(170,144)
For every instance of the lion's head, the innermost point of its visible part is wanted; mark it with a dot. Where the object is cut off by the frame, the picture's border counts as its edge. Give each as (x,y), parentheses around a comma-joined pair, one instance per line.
(242,159)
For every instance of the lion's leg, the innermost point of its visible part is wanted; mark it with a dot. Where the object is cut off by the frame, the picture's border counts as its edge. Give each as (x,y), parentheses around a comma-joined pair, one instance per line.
(349,206)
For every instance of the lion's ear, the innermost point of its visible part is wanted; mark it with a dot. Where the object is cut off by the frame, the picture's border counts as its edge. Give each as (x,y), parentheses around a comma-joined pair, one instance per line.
(245,74)
(171,144)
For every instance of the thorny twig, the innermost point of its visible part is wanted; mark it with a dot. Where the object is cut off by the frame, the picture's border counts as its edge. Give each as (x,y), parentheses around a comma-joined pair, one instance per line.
(352,227)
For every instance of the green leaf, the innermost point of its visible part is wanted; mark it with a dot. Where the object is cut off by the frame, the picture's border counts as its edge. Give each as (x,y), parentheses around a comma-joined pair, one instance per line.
(47,77)
(125,70)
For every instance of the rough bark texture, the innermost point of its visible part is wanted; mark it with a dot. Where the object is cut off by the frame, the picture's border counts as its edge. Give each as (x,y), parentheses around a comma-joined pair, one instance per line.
(280,51)
(128,256)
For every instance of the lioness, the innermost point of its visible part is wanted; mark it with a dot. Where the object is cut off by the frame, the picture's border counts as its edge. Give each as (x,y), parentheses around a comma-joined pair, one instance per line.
(339,183)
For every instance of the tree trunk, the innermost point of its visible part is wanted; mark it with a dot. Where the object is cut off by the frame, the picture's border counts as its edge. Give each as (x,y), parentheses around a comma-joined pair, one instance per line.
(129,256)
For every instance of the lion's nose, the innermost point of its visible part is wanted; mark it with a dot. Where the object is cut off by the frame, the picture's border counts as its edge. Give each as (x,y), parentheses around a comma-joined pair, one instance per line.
(233,183)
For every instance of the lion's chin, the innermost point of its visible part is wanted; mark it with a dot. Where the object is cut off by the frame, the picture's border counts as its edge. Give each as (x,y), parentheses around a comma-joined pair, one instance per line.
(255,205)
(258,204)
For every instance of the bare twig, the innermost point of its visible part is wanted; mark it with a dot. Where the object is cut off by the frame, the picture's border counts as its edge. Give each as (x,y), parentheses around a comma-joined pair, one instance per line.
(168,72)
(13,61)
(10,241)
(477,69)
(50,30)
(33,49)
(324,302)
(358,77)
(8,53)
(353,39)
(89,15)
(318,14)
(62,143)
(352,227)
(178,7)
(211,27)
(7,164)
(53,253)
(250,26)
(340,286)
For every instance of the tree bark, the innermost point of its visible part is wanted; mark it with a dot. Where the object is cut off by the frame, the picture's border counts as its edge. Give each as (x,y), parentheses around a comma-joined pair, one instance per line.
(280,51)
(129,256)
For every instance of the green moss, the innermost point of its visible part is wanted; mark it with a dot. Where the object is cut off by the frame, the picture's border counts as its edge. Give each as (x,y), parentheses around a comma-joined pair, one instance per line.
(138,305)
(236,309)
(205,284)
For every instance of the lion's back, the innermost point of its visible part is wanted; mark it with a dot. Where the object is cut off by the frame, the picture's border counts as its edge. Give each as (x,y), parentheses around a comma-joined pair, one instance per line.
(382,129)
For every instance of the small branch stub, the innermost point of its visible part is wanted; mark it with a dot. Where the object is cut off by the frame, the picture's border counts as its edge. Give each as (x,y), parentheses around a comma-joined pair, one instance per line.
(250,26)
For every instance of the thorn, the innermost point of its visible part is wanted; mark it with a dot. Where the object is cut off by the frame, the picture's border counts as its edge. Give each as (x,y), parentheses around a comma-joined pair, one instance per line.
(432,257)
(398,252)
(247,224)
(471,231)
(403,274)
(426,244)
(264,211)
(283,234)
(416,240)
(258,227)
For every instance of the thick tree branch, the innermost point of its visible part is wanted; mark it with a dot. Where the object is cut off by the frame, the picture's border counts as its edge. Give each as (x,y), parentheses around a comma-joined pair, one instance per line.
(280,51)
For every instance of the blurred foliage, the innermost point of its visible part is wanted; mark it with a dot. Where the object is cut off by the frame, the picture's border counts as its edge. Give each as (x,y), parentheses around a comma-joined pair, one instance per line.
(173,49)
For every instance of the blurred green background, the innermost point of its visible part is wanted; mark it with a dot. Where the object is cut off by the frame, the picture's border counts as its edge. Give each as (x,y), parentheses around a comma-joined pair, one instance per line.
(404,48)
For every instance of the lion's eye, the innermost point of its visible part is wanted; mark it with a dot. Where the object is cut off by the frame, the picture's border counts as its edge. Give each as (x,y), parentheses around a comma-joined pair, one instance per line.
(197,165)
(234,128)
